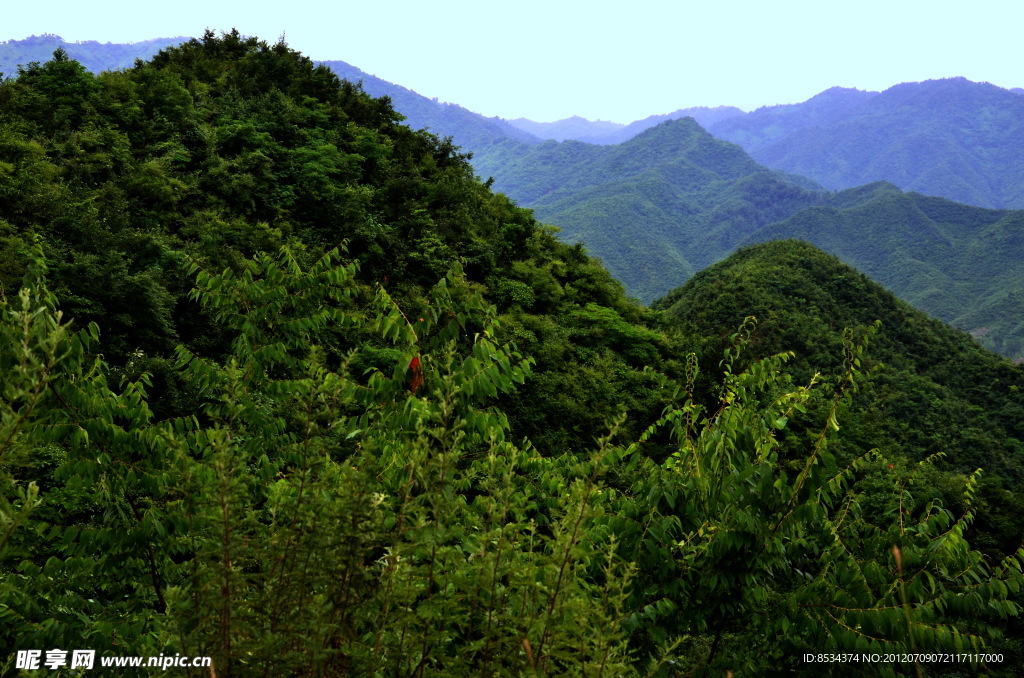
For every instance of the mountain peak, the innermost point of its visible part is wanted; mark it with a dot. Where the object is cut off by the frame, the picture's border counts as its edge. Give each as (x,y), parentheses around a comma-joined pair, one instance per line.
(676,127)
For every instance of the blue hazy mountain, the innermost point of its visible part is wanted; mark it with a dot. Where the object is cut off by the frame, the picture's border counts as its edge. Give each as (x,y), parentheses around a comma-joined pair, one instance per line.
(953,138)
(606,132)
(95,56)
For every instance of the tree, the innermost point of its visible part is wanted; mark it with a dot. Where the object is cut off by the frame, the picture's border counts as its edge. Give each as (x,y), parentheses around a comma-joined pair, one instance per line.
(749,559)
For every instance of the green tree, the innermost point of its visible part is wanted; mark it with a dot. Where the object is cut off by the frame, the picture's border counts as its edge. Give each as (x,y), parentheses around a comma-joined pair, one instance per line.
(750,558)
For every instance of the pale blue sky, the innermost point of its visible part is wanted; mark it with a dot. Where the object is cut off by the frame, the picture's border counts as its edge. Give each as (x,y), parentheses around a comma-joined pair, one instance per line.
(549,59)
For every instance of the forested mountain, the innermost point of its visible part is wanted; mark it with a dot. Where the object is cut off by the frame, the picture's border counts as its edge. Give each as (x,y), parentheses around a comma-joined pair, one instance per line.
(963,401)
(962,264)
(93,55)
(605,132)
(923,370)
(657,216)
(222,192)
(575,127)
(138,184)
(768,124)
(953,138)
(674,200)
(283,384)
(655,209)
(668,203)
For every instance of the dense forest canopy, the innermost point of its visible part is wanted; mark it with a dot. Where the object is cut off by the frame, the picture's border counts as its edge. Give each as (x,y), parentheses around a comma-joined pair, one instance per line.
(286,385)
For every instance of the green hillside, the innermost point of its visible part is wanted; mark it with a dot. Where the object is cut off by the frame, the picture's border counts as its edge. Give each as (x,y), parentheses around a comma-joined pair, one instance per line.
(655,208)
(931,390)
(959,263)
(170,172)
(964,400)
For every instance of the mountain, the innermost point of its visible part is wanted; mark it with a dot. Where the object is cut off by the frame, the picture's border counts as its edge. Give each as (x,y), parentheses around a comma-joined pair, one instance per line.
(575,127)
(704,115)
(768,124)
(377,271)
(168,178)
(605,132)
(673,200)
(953,138)
(470,130)
(962,264)
(656,208)
(93,55)
(964,398)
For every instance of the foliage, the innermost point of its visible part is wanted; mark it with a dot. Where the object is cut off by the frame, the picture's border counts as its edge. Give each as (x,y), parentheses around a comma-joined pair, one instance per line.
(932,388)
(309,522)
(756,557)
(304,522)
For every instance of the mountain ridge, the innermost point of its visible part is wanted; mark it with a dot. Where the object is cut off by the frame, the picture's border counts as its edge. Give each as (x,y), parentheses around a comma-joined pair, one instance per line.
(672,194)
(952,137)
(468,129)
(960,263)
(804,298)
(95,56)
(604,132)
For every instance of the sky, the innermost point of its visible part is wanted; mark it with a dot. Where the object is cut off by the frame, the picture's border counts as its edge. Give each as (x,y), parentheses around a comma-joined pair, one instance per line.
(551,59)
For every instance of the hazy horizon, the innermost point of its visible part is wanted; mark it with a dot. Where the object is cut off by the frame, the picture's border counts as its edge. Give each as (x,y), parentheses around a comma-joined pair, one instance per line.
(547,62)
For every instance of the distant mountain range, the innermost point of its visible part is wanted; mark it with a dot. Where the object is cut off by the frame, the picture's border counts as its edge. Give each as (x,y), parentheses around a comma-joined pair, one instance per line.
(673,200)
(605,132)
(955,138)
(470,130)
(95,56)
